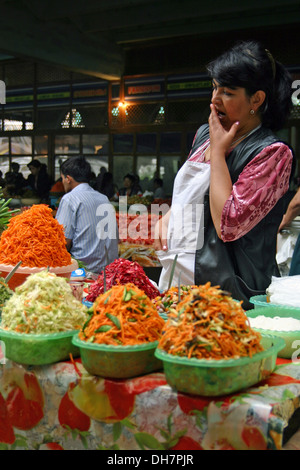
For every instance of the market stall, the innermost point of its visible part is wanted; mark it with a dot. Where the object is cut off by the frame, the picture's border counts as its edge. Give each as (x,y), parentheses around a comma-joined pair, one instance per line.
(40,410)
(136,224)
(132,368)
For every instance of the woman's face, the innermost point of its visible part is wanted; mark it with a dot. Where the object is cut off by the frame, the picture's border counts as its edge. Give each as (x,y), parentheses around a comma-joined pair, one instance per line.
(127,183)
(232,104)
(33,170)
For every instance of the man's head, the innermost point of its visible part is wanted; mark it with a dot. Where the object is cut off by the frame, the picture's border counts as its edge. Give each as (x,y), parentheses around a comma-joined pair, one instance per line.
(74,171)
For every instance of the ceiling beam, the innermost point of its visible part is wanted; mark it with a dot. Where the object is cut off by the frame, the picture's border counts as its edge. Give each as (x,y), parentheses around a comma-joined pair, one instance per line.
(60,44)
(208,25)
(168,12)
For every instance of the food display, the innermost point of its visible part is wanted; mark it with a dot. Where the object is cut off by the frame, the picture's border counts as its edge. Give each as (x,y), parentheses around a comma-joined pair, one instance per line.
(35,238)
(121,335)
(208,347)
(136,237)
(122,271)
(167,302)
(282,322)
(124,315)
(209,324)
(44,303)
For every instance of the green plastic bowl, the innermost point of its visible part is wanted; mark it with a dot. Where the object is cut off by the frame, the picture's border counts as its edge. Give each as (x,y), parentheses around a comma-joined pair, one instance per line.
(261,301)
(118,362)
(220,377)
(291,338)
(38,349)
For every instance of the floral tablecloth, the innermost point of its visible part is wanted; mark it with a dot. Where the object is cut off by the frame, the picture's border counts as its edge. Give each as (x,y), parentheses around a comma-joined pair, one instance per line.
(61,406)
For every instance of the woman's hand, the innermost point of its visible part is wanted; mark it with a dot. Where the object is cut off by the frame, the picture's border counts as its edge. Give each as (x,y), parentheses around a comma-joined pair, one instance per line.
(220,139)
(161,231)
(220,180)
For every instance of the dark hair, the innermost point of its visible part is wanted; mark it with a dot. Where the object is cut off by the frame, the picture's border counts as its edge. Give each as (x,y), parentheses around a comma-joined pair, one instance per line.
(15,166)
(158,181)
(249,65)
(35,164)
(130,177)
(78,168)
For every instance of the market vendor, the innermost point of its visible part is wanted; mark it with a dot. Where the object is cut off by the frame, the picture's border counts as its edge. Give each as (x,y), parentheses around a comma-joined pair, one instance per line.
(234,180)
(88,217)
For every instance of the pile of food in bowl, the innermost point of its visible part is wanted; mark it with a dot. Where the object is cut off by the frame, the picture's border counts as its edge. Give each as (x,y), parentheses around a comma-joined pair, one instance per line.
(35,238)
(209,348)
(39,320)
(120,336)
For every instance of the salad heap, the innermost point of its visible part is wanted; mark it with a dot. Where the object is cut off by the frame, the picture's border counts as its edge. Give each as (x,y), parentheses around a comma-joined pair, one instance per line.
(124,315)
(122,271)
(35,238)
(167,302)
(44,303)
(209,324)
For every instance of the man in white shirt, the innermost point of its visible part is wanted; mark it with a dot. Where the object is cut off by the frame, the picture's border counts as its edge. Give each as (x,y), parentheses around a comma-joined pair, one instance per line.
(87,216)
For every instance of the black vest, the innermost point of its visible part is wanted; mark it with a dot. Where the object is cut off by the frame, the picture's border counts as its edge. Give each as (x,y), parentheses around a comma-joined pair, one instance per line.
(243,267)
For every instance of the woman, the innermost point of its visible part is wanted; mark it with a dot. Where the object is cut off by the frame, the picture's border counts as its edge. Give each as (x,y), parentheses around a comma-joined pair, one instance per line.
(131,186)
(39,180)
(228,195)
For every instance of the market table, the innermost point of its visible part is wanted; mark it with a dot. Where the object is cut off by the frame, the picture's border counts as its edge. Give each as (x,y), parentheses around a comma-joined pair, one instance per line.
(61,406)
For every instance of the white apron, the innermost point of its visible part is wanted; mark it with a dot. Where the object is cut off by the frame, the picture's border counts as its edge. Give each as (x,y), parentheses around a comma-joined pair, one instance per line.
(185,230)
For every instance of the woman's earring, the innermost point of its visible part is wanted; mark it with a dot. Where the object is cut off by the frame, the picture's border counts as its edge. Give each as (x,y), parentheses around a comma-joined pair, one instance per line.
(252,111)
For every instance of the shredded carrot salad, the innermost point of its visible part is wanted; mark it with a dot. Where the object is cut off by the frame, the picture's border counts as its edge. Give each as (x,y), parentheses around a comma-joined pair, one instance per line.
(124,315)
(209,324)
(36,238)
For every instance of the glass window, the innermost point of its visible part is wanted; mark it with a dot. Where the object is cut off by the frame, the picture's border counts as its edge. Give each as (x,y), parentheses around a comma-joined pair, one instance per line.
(97,144)
(41,145)
(146,143)
(67,144)
(146,170)
(123,143)
(4,146)
(23,162)
(169,167)
(51,118)
(21,145)
(170,142)
(4,165)
(95,161)
(121,166)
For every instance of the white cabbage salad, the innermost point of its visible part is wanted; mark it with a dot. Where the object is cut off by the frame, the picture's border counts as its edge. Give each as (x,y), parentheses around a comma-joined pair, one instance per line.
(44,303)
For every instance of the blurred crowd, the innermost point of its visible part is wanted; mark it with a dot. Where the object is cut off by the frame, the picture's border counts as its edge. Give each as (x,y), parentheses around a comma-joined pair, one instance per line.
(40,185)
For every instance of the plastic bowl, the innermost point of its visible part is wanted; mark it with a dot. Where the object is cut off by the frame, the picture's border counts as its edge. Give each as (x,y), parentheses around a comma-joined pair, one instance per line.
(261,301)
(40,349)
(118,362)
(220,377)
(23,272)
(288,336)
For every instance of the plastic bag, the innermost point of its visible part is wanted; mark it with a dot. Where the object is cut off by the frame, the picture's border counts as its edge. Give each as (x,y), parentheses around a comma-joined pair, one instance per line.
(284,290)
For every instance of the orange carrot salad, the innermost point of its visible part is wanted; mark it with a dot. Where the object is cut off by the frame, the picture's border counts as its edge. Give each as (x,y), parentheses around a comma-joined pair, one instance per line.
(35,238)
(168,300)
(209,324)
(123,315)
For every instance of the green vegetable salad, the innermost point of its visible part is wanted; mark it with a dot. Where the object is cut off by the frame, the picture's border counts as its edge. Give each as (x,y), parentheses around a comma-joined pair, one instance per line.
(44,303)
